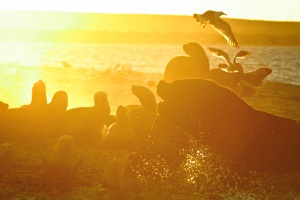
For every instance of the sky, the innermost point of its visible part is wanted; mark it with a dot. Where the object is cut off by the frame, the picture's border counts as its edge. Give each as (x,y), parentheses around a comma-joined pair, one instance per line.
(271,10)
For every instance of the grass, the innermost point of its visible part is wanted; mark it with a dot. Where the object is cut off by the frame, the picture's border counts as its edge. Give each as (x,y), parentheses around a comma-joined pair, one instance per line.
(199,176)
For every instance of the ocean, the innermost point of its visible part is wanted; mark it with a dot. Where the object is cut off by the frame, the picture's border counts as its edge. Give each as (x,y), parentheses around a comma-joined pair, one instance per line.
(113,68)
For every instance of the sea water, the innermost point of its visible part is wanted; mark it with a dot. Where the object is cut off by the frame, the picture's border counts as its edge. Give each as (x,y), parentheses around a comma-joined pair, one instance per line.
(113,68)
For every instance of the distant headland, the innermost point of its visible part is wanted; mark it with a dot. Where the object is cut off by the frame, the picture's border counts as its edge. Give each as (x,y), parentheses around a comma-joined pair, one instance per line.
(67,27)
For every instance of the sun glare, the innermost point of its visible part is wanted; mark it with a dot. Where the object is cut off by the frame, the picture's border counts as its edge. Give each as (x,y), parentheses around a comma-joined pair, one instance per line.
(101,6)
(16,77)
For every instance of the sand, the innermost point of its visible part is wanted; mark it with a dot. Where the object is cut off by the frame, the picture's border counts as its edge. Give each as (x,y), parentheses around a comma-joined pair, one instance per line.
(24,179)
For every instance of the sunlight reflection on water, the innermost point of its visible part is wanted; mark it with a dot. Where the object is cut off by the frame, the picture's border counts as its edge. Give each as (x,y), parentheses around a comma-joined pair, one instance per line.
(22,64)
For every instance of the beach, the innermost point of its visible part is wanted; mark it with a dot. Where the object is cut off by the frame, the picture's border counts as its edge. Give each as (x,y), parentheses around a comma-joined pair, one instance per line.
(279,94)
(24,179)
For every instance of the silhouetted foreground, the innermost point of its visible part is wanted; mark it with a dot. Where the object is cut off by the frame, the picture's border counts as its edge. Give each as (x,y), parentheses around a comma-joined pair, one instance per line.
(224,122)
(201,137)
(192,123)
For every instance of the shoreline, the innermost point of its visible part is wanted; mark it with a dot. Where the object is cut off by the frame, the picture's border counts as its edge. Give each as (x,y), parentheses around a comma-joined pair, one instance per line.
(278,98)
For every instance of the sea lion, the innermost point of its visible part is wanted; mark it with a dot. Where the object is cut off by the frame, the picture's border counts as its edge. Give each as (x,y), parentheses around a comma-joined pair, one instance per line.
(221,120)
(27,121)
(195,65)
(224,78)
(55,111)
(38,95)
(246,89)
(86,122)
(59,102)
(111,119)
(142,116)
(165,143)
(256,77)
(118,174)
(3,107)
(6,155)
(121,134)
(64,158)
(233,81)
(230,74)
(142,121)
(3,110)
(146,97)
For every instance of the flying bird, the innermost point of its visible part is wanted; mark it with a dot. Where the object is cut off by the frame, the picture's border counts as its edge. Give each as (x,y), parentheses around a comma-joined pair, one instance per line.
(231,66)
(213,18)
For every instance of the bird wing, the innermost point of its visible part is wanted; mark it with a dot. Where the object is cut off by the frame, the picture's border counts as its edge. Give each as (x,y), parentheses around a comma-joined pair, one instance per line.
(224,29)
(241,54)
(220,53)
(222,65)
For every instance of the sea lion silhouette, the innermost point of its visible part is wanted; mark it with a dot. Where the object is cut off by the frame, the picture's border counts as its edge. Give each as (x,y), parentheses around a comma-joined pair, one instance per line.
(220,119)
(195,65)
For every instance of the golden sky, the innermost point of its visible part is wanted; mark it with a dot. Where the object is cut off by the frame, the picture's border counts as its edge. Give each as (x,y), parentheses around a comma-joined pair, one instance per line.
(274,10)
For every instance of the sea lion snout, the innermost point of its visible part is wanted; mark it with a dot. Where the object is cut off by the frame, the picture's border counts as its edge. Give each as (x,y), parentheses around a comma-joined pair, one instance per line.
(134,88)
(268,70)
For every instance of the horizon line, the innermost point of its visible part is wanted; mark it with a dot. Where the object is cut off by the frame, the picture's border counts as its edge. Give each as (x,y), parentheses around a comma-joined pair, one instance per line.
(155,14)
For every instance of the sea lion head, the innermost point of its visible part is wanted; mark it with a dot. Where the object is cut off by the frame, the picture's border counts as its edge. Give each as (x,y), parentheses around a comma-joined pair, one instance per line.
(122,115)
(100,97)
(39,94)
(101,102)
(145,96)
(193,49)
(263,72)
(65,141)
(3,107)
(59,101)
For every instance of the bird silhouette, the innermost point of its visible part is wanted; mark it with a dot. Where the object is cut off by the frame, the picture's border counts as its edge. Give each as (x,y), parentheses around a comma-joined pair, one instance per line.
(213,18)
(230,66)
